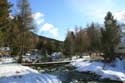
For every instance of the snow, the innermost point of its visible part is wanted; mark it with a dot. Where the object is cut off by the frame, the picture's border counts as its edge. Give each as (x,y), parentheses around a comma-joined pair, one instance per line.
(77,59)
(6,60)
(15,73)
(56,56)
(113,71)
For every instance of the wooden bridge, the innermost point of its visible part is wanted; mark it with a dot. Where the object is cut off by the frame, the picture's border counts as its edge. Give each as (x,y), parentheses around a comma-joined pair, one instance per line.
(47,64)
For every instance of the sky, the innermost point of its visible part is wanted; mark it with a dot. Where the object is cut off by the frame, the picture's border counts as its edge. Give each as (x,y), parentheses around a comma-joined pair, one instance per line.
(53,18)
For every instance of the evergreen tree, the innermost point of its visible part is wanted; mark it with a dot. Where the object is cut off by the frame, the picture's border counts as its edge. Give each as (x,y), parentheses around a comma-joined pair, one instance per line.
(81,41)
(110,37)
(94,35)
(4,21)
(69,44)
(25,25)
(4,13)
(13,37)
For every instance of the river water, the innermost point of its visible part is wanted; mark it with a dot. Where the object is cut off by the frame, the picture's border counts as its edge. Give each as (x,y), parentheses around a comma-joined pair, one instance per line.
(68,74)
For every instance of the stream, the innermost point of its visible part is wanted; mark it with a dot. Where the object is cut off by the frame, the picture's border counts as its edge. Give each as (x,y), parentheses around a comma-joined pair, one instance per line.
(68,74)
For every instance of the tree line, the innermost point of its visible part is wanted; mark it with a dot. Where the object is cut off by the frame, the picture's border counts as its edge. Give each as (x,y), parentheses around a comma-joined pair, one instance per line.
(17,31)
(95,38)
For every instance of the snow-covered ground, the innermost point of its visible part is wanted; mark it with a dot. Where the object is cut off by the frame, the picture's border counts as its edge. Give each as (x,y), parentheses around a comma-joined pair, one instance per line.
(4,60)
(114,71)
(15,73)
(78,59)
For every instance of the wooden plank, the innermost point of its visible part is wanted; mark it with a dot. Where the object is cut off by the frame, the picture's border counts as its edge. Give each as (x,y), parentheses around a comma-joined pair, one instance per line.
(46,63)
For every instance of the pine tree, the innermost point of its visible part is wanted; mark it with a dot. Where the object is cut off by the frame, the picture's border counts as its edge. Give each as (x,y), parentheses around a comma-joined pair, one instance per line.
(69,44)
(25,25)
(81,41)
(4,13)
(110,37)
(94,35)
(4,21)
(13,36)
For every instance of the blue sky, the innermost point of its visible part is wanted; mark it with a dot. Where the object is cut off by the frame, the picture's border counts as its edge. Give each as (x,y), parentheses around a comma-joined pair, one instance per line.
(53,18)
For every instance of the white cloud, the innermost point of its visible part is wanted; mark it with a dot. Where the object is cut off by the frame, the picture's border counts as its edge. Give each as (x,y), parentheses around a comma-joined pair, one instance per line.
(38,18)
(50,29)
(72,29)
(39,21)
(38,15)
(120,15)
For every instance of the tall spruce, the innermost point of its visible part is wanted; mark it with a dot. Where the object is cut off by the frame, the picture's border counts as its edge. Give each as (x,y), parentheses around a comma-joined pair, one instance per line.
(14,37)
(25,24)
(69,44)
(81,41)
(94,35)
(4,13)
(110,37)
(4,21)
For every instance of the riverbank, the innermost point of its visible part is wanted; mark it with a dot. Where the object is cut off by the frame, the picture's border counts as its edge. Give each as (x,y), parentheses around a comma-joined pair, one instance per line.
(15,73)
(113,71)
(79,71)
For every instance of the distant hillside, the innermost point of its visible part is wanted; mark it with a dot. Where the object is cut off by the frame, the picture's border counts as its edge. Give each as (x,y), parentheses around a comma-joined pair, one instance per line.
(46,38)
(48,44)
(49,39)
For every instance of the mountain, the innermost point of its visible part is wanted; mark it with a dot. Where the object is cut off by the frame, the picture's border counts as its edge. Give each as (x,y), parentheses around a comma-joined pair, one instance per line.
(49,39)
(49,45)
